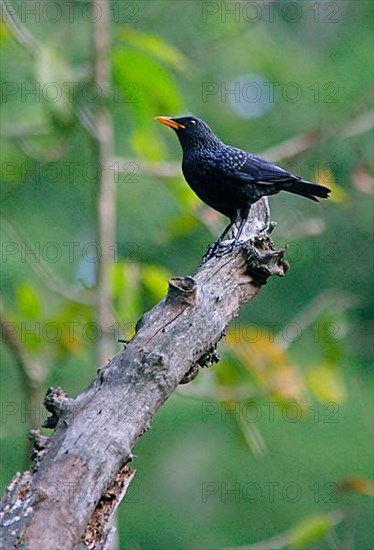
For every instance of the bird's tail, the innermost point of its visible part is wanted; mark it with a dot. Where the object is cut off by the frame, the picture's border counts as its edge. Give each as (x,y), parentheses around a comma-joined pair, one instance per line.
(307,189)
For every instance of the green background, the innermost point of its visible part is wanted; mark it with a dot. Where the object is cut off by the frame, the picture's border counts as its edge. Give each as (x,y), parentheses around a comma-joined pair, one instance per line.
(171,58)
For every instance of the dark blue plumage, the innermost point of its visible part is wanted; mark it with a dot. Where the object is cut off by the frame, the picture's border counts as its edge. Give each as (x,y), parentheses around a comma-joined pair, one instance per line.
(228,179)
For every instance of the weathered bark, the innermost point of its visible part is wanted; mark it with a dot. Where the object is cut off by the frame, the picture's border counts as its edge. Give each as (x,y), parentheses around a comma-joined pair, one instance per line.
(81,473)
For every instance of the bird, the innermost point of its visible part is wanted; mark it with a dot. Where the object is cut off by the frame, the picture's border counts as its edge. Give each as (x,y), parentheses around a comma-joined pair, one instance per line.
(229,179)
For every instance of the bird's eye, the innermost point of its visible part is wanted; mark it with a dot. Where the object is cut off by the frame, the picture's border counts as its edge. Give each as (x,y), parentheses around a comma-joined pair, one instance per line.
(193,121)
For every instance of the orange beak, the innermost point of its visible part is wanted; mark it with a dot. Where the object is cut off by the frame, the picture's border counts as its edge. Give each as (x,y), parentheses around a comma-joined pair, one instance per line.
(169,122)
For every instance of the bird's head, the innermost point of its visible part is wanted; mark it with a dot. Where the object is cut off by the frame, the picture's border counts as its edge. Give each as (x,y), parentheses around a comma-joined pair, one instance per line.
(191,131)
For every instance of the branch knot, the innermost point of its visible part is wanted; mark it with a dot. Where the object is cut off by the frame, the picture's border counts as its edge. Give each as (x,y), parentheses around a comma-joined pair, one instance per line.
(262,260)
(56,402)
(182,290)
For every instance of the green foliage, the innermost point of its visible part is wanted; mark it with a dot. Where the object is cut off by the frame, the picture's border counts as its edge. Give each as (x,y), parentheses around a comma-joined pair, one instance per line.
(310,530)
(154,279)
(160,65)
(155,47)
(141,66)
(28,302)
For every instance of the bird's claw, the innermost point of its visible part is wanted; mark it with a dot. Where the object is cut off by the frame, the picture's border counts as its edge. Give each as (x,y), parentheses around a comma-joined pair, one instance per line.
(211,252)
(221,248)
(218,249)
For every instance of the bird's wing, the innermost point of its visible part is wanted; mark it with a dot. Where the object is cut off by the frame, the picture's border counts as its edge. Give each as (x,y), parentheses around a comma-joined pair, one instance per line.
(255,169)
(247,168)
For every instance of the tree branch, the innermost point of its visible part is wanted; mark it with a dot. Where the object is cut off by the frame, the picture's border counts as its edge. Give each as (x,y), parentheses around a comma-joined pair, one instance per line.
(84,460)
(106,211)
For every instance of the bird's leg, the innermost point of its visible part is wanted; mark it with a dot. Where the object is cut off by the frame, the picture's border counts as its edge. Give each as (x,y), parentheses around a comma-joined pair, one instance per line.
(219,248)
(212,250)
(243,218)
(226,230)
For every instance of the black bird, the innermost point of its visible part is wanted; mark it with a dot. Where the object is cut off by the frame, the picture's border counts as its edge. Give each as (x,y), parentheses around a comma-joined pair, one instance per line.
(228,179)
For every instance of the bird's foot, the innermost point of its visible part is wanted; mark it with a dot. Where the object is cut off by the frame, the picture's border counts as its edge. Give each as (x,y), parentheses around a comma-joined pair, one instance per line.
(221,248)
(218,249)
(211,252)
(215,250)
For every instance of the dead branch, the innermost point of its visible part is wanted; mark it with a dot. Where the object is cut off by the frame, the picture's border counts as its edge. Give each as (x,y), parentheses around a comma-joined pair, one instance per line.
(80,473)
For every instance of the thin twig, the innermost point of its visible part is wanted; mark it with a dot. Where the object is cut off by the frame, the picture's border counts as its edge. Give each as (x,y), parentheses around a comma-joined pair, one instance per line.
(37,264)
(106,189)
(359,125)
(86,119)
(20,33)
(324,301)
(286,539)
(53,153)
(32,372)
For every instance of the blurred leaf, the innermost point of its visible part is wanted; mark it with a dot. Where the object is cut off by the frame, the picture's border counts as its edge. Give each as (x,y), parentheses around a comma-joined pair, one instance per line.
(266,360)
(310,530)
(127,295)
(144,143)
(325,176)
(186,197)
(28,301)
(230,381)
(180,225)
(155,46)
(253,438)
(73,321)
(154,83)
(326,384)
(186,220)
(153,92)
(337,193)
(4,33)
(117,280)
(155,280)
(359,485)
